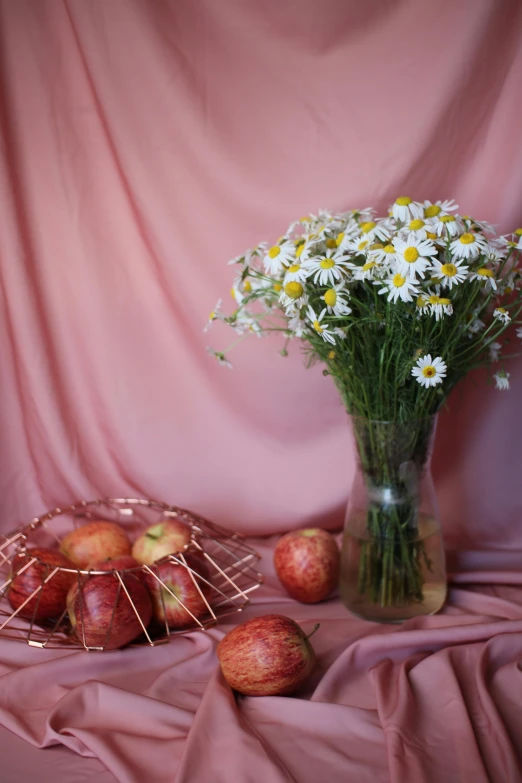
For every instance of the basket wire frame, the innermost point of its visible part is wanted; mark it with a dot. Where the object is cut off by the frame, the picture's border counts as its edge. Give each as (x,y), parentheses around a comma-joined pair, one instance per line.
(231,562)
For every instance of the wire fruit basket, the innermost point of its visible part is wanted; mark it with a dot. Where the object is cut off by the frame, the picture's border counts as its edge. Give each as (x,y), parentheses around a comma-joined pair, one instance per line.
(217,568)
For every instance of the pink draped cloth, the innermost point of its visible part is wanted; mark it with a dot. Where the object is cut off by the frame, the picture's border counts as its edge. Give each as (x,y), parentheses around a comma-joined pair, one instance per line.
(142,145)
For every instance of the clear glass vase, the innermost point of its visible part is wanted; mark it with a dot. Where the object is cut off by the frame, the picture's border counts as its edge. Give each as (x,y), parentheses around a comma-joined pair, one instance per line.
(392,561)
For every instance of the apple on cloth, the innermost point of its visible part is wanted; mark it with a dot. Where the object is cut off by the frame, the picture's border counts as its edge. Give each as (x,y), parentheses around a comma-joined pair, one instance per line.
(162,539)
(50,600)
(100,609)
(307,564)
(180,596)
(94,542)
(266,656)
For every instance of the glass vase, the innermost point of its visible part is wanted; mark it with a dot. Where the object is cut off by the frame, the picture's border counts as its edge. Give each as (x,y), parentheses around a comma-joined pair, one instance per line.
(392,561)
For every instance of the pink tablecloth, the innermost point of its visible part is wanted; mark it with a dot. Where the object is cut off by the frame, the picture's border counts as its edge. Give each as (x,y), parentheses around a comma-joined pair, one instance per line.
(435,699)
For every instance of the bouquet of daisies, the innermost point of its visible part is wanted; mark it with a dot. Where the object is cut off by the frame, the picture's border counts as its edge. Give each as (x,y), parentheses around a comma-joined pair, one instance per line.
(398,309)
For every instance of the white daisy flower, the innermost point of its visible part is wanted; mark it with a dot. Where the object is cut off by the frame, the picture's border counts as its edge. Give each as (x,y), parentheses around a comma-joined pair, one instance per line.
(502,380)
(413,255)
(293,295)
(423,303)
(346,236)
(494,351)
(405,209)
(358,244)
(432,210)
(440,306)
(519,332)
(336,302)
(220,357)
(468,245)
(215,315)
(484,276)
(372,230)
(327,269)
(428,371)
(449,274)
(502,314)
(246,324)
(321,329)
(473,225)
(368,271)
(295,272)
(246,258)
(279,256)
(418,227)
(386,254)
(399,286)
(447,225)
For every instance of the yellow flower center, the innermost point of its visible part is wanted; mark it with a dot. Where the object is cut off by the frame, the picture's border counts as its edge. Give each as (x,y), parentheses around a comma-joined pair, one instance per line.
(433,300)
(389,249)
(429,371)
(421,301)
(331,243)
(330,297)
(447,219)
(293,289)
(299,250)
(369,265)
(212,315)
(501,309)
(398,281)
(416,224)
(362,244)
(327,263)
(232,293)
(331,355)
(376,246)
(403,201)
(277,286)
(366,227)
(294,268)
(318,327)
(467,238)
(274,251)
(443,301)
(338,241)
(432,211)
(411,254)
(518,232)
(430,235)
(512,244)
(485,272)
(450,270)
(247,285)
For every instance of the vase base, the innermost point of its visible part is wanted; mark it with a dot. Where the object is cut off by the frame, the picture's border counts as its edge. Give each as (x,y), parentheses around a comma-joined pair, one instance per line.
(434,597)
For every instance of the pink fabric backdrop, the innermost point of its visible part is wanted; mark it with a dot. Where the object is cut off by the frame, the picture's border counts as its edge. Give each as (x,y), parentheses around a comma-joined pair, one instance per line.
(142,145)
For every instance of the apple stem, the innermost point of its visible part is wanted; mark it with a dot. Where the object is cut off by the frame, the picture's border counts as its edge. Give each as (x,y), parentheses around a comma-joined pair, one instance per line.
(316,626)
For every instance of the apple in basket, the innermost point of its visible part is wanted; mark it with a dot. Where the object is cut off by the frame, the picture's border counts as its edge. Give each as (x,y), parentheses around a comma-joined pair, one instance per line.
(94,542)
(266,656)
(104,612)
(307,564)
(50,600)
(160,540)
(178,594)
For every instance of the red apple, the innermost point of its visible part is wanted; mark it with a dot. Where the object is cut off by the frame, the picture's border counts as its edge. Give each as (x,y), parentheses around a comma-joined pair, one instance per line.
(266,656)
(50,600)
(172,609)
(100,610)
(95,541)
(307,564)
(158,541)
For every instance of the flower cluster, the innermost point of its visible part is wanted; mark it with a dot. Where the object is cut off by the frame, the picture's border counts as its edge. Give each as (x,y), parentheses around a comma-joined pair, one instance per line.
(424,281)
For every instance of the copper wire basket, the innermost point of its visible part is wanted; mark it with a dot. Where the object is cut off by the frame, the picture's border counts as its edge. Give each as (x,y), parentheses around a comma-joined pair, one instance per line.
(230,563)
